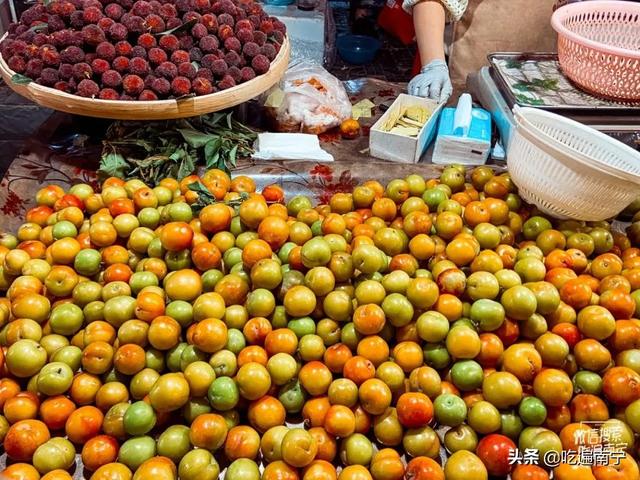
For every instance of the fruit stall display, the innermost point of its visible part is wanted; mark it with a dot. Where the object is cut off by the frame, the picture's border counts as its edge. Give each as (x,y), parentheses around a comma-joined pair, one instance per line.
(428,329)
(63,53)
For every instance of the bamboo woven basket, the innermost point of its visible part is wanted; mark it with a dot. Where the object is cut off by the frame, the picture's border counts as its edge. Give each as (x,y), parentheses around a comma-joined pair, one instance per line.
(151,110)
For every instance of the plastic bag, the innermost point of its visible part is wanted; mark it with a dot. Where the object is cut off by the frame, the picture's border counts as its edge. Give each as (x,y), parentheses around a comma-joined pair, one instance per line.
(309,100)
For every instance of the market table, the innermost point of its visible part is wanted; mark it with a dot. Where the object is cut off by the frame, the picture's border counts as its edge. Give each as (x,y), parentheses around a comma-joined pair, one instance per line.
(66,150)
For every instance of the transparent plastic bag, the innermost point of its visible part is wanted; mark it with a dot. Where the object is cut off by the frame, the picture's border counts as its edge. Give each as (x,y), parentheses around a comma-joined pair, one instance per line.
(310,100)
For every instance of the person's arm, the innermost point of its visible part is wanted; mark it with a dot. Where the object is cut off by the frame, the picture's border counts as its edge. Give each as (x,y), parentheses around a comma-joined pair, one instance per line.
(428,19)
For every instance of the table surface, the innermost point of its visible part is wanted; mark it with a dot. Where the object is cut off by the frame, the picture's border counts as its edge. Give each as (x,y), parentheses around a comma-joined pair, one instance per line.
(66,150)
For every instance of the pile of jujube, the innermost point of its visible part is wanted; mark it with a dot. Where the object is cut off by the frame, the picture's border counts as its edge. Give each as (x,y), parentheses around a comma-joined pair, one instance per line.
(142,50)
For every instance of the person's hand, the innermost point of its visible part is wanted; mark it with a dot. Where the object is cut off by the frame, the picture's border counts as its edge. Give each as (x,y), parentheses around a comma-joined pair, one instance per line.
(432,82)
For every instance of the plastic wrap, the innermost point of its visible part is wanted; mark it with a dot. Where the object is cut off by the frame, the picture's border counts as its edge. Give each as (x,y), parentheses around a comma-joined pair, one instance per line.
(309,100)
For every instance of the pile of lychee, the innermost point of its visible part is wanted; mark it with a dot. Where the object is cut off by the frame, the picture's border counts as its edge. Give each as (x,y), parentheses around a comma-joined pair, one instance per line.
(142,50)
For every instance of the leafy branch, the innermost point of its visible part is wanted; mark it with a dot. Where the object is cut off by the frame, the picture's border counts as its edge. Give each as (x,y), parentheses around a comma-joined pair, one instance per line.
(205,197)
(152,151)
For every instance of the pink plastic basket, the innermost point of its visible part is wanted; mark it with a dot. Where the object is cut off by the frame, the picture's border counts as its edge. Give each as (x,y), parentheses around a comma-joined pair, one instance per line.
(599,47)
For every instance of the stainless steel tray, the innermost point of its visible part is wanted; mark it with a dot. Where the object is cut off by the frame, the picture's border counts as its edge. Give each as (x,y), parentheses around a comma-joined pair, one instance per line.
(536,80)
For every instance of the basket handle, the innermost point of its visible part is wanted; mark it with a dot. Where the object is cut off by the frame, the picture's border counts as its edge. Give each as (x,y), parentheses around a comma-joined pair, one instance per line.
(576,159)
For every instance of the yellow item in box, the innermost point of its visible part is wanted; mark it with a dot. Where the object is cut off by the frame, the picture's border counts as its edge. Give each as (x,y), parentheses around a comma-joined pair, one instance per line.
(405,131)
(362,109)
(275,99)
(406,121)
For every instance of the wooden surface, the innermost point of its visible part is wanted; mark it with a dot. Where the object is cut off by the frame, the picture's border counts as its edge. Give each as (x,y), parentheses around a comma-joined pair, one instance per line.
(151,110)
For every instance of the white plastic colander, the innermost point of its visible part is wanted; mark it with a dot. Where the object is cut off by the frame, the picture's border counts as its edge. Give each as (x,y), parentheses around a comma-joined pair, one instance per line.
(569,170)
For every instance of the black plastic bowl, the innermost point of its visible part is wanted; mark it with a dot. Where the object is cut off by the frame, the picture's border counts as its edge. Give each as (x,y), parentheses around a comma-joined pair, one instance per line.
(358,49)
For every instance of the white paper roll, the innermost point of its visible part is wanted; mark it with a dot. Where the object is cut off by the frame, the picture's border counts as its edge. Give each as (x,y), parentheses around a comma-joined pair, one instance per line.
(462,117)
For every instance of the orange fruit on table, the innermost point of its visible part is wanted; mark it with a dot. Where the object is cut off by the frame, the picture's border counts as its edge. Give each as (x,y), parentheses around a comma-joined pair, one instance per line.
(84,424)
(103,234)
(215,218)
(358,369)
(208,431)
(385,209)
(176,236)
(340,421)
(373,348)
(183,284)
(84,388)
(315,411)
(252,353)
(20,471)
(99,451)
(529,472)
(129,359)
(9,388)
(423,468)
(279,470)
(164,332)
(619,303)
(254,251)
(253,211)
(210,335)
(575,293)
(159,468)
(23,438)
(319,470)
(149,305)
(243,183)
(273,193)
(266,412)
(621,385)
(553,387)
(112,471)
(625,468)
(23,406)
(274,230)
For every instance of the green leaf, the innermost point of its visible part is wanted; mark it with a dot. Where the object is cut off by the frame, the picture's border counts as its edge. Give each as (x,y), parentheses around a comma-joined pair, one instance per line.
(178,155)
(179,28)
(204,195)
(212,152)
(211,121)
(199,188)
(229,121)
(196,138)
(148,146)
(187,167)
(20,79)
(232,155)
(113,165)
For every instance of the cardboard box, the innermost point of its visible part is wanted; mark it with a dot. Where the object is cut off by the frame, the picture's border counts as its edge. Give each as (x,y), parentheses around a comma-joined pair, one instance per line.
(399,148)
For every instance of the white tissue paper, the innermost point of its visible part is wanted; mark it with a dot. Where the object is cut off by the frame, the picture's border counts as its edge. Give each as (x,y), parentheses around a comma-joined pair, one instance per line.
(464,135)
(289,146)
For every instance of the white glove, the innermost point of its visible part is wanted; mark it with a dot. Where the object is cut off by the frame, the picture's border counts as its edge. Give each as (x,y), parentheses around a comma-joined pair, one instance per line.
(433,82)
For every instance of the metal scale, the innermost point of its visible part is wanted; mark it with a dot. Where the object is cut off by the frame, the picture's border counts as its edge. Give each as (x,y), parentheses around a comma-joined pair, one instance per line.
(535,80)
